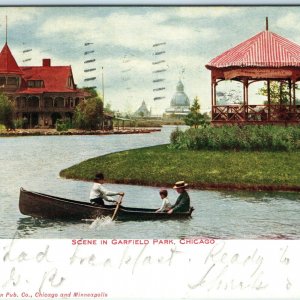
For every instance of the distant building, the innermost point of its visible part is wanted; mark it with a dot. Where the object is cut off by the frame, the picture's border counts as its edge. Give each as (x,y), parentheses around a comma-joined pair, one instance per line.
(143,111)
(41,94)
(180,103)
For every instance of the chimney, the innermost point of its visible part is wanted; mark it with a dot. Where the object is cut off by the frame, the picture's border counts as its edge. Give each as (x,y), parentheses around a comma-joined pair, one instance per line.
(46,62)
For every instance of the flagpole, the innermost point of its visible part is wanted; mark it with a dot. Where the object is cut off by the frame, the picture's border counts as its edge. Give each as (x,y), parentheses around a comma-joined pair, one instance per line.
(103,86)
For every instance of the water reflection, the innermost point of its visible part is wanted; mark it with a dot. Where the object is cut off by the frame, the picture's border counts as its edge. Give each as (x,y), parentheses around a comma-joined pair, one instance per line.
(260,196)
(29,225)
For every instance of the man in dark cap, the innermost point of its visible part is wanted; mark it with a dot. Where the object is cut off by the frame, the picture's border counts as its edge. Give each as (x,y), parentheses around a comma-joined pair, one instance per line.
(182,203)
(98,193)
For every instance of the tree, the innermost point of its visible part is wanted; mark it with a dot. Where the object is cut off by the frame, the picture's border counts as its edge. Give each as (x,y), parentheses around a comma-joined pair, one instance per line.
(6,112)
(195,118)
(107,108)
(88,114)
(91,92)
(279,92)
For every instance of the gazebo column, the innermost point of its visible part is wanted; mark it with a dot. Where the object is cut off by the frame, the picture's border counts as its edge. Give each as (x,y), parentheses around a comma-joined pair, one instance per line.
(213,96)
(245,97)
(294,97)
(269,99)
(215,93)
(294,93)
(290,91)
(280,92)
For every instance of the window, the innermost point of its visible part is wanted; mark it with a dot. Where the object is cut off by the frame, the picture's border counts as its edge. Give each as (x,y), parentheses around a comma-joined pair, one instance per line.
(2,81)
(35,83)
(12,81)
(70,81)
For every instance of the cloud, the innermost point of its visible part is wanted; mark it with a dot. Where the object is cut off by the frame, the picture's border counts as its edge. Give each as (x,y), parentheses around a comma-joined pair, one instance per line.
(125,30)
(207,12)
(17,15)
(289,21)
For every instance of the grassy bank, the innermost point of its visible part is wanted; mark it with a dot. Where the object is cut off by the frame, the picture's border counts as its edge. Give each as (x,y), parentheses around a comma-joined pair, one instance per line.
(162,166)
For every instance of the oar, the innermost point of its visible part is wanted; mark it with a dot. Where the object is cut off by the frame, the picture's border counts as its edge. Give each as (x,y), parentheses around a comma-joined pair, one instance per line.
(117,208)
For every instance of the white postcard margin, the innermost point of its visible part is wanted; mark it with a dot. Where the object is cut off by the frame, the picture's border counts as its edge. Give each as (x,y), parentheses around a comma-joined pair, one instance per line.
(149,269)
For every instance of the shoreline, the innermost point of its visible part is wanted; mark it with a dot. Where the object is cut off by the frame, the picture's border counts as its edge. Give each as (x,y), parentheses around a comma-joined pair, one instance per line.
(204,186)
(53,132)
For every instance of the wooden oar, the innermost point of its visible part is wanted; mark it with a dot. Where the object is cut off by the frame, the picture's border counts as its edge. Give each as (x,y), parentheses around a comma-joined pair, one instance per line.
(117,208)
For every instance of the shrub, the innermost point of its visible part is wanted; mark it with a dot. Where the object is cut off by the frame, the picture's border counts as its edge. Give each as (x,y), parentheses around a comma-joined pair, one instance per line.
(88,114)
(6,112)
(249,138)
(63,125)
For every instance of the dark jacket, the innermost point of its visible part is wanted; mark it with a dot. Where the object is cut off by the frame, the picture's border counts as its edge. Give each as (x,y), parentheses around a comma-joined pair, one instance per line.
(182,203)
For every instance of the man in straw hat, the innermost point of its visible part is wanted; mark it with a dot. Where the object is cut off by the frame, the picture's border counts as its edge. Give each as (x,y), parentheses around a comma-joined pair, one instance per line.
(183,201)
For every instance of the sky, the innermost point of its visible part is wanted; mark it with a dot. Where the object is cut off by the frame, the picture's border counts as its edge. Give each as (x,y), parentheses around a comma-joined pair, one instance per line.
(122,39)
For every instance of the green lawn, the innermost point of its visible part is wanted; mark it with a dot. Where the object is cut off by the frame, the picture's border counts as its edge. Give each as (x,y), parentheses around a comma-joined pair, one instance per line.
(160,166)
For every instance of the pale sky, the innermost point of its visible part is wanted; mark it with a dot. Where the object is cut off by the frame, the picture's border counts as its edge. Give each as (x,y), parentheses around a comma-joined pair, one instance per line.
(123,39)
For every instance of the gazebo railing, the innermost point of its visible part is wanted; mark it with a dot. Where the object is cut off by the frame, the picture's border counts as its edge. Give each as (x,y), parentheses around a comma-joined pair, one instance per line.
(256,114)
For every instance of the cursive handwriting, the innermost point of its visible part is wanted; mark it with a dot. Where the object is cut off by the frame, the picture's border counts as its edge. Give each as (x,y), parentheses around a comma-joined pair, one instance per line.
(128,258)
(214,267)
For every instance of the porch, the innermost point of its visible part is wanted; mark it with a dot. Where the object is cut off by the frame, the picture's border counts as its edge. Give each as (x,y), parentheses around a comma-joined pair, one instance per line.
(255,114)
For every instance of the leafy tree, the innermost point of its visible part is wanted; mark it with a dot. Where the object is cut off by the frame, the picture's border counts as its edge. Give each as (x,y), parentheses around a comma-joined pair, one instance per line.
(6,112)
(276,89)
(107,108)
(88,114)
(91,92)
(195,118)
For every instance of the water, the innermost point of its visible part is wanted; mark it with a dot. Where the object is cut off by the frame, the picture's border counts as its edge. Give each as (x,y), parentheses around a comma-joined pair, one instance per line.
(35,162)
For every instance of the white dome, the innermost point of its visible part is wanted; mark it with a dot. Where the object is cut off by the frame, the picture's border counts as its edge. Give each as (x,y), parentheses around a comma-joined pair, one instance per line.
(180,98)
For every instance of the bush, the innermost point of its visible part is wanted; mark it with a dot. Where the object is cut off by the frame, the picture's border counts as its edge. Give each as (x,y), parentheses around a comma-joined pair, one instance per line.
(6,112)
(88,114)
(249,138)
(63,125)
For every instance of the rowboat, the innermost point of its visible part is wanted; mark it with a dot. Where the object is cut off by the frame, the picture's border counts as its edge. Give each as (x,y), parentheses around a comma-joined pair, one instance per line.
(51,207)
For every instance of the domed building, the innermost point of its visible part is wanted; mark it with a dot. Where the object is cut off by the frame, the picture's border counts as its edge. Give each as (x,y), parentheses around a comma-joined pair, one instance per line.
(142,111)
(180,103)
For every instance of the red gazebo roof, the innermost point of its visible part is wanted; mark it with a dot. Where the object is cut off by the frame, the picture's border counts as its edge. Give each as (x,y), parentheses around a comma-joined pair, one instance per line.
(8,64)
(265,49)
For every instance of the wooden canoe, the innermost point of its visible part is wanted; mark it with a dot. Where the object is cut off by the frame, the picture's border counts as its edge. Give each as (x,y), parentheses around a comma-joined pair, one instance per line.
(51,207)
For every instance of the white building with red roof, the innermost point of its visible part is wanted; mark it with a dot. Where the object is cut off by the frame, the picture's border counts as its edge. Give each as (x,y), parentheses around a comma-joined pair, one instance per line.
(41,94)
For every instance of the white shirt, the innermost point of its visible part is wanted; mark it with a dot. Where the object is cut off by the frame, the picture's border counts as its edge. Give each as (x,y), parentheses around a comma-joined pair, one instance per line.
(98,190)
(165,205)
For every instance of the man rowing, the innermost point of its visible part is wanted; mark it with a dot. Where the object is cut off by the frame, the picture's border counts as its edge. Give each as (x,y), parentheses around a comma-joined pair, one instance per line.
(99,193)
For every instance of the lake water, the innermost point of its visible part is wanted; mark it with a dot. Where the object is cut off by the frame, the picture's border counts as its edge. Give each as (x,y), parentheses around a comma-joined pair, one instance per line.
(35,162)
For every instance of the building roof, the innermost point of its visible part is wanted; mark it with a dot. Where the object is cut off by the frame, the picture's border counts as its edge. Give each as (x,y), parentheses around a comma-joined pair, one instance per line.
(143,110)
(265,49)
(8,64)
(180,99)
(55,79)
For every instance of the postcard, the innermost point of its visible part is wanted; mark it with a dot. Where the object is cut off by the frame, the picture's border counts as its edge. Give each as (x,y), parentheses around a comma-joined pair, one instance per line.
(149,152)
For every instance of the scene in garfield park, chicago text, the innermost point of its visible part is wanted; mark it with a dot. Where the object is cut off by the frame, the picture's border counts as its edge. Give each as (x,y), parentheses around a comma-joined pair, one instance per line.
(140,144)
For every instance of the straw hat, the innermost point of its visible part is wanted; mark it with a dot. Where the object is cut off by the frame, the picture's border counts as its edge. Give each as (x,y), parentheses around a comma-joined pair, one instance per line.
(180,184)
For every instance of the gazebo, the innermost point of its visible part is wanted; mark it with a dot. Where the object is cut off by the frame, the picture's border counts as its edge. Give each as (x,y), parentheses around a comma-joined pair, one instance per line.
(264,57)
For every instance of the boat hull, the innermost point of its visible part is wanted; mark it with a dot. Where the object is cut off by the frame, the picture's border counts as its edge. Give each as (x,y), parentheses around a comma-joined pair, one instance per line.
(50,207)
